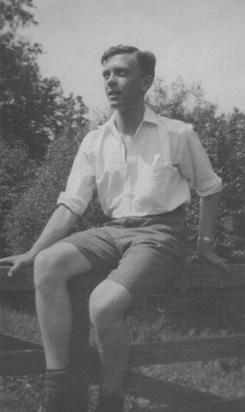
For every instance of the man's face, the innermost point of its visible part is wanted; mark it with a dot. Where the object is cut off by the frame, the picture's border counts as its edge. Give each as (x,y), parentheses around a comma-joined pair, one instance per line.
(124,84)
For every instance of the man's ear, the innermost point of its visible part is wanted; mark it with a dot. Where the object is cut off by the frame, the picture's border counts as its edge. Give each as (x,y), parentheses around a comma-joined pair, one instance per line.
(147,83)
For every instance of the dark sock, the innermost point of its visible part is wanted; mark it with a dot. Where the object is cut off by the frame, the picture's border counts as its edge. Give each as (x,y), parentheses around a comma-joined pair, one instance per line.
(63,392)
(56,379)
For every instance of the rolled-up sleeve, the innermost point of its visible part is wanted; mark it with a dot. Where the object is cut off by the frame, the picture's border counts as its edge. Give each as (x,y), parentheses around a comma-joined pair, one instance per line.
(81,181)
(195,165)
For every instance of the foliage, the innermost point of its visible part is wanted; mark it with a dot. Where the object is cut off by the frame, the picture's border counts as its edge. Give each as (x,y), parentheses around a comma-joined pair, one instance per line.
(223,378)
(223,138)
(231,155)
(33,109)
(15,175)
(25,221)
(15,14)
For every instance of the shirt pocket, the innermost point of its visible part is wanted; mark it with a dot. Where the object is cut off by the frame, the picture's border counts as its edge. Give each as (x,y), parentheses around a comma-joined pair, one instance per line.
(153,179)
(159,166)
(162,180)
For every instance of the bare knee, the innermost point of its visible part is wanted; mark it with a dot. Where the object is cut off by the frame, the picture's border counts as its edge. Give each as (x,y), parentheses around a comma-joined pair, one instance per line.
(101,312)
(58,264)
(107,305)
(46,266)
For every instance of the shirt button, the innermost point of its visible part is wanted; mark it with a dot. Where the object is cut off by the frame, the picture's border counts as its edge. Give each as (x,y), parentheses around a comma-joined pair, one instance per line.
(126,221)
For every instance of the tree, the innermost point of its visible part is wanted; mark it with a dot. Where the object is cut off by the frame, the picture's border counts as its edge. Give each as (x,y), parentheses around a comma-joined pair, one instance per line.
(15,14)
(26,220)
(14,180)
(33,110)
(223,137)
(231,155)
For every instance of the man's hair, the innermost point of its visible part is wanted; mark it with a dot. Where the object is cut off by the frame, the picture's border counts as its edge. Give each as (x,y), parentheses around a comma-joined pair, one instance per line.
(146,59)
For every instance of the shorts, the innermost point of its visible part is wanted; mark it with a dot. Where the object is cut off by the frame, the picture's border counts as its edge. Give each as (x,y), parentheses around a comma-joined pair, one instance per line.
(140,253)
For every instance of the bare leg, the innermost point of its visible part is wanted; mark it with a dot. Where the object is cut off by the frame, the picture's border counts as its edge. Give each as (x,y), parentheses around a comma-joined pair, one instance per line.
(108,304)
(53,268)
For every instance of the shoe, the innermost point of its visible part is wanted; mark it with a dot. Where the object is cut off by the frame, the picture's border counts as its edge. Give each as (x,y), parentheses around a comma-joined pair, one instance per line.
(110,402)
(63,393)
(67,401)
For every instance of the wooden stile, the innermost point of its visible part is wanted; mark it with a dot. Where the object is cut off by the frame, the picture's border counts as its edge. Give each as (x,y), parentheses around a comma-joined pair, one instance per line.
(18,357)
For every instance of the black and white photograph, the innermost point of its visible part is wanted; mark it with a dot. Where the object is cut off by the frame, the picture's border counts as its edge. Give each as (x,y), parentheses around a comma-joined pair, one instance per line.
(122,206)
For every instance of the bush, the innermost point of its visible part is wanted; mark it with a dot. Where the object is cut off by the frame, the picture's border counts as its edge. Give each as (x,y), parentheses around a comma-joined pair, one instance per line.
(222,137)
(16,172)
(26,220)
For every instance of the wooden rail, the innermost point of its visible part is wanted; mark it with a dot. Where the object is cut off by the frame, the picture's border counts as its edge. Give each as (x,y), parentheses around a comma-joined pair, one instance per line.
(18,357)
(193,276)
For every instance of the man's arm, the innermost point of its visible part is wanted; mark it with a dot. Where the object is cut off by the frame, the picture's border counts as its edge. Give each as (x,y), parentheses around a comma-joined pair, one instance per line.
(56,229)
(195,165)
(207,218)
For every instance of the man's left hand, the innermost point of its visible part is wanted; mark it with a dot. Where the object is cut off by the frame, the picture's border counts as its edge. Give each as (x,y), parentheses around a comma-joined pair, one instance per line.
(205,252)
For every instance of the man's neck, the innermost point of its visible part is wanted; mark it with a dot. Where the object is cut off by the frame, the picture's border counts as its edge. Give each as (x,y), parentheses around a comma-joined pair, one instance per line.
(128,121)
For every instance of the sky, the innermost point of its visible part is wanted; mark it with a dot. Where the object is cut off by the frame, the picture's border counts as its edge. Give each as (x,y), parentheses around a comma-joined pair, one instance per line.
(200,40)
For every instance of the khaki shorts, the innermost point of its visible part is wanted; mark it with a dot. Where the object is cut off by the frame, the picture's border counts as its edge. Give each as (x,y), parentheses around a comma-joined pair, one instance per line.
(137,252)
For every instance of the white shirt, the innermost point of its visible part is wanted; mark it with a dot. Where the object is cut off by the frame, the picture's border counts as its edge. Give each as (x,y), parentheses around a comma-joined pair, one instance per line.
(150,174)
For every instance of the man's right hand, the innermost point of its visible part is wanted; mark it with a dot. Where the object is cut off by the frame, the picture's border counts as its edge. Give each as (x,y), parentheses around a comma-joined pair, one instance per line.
(17,262)
(58,227)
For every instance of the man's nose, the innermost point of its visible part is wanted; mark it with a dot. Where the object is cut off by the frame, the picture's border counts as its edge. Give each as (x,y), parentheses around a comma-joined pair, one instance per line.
(111,80)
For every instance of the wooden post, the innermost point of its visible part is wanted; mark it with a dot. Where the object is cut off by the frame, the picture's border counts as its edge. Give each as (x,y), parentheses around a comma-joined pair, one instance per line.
(16,354)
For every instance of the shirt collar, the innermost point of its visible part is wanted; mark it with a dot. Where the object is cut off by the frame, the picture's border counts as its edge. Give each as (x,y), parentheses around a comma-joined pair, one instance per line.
(149,117)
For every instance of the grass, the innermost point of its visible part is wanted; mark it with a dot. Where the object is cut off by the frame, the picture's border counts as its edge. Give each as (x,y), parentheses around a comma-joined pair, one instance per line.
(180,317)
(21,324)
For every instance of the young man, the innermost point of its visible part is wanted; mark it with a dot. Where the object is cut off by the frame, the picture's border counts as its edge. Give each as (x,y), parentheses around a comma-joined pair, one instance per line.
(142,166)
